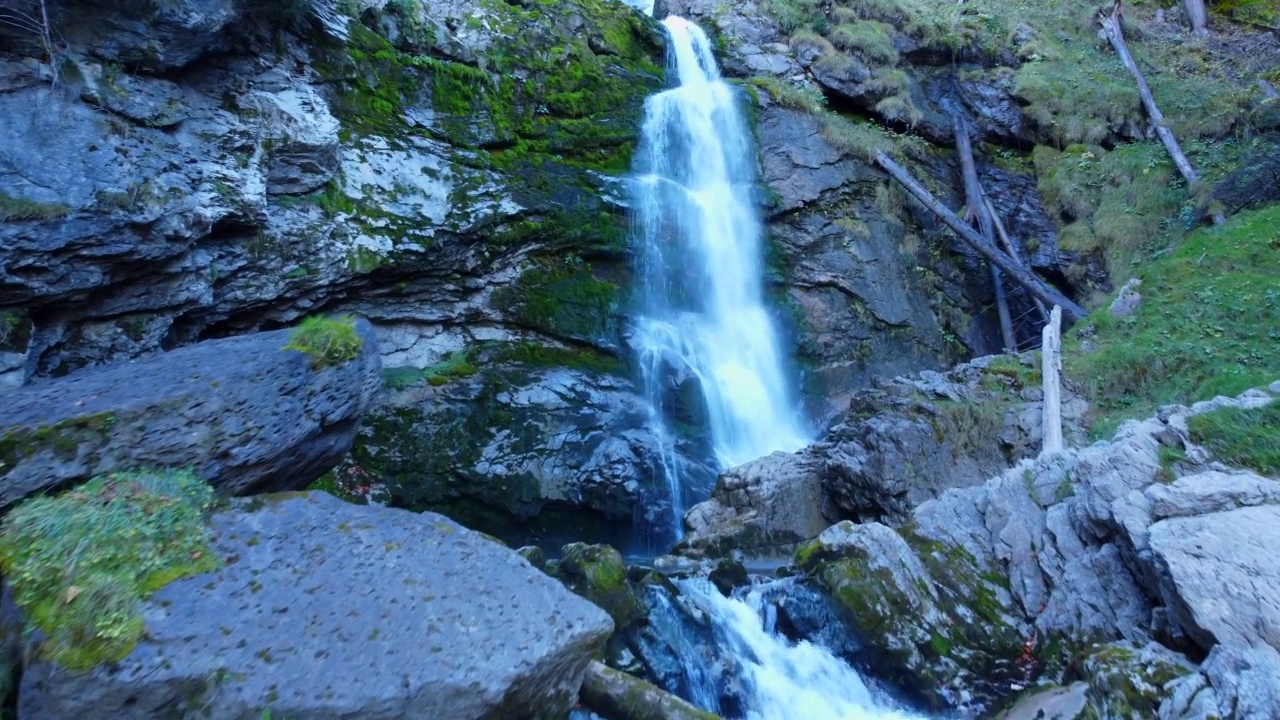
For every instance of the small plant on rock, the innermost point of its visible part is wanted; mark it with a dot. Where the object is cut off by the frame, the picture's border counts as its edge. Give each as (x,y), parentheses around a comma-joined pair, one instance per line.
(327,341)
(81,563)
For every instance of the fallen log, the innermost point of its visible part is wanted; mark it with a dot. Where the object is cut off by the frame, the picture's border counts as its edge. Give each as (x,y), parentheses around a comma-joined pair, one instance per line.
(1111,28)
(1010,248)
(615,695)
(973,199)
(1011,268)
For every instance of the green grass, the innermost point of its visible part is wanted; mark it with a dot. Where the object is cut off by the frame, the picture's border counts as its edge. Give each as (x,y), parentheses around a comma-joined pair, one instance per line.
(1209,325)
(456,365)
(14,209)
(81,563)
(1129,203)
(327,341)
(1243,438)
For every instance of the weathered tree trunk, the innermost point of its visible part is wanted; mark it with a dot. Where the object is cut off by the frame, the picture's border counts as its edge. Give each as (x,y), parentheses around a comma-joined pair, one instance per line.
(967,234)
(973,199)
(1010,248)
(616,695)
(1198,16)
(1111,27)
(1051,367)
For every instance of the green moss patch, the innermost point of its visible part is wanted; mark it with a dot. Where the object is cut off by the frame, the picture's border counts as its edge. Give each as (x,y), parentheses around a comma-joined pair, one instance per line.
(1244,438)
(1209,325)
(327,341)
(456,365)
(562,298)
(1129,204)
(13,209)
(81,563)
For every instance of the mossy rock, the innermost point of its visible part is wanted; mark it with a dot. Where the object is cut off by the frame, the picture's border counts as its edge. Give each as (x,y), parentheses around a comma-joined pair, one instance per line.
(598,573)
(933,622)
(81,563)
(1127,681)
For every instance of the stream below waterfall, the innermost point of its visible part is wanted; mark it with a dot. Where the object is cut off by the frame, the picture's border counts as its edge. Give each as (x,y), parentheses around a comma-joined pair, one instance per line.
(704,323)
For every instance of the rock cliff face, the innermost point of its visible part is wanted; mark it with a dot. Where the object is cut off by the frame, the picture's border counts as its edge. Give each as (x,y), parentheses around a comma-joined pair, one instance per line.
(449,171)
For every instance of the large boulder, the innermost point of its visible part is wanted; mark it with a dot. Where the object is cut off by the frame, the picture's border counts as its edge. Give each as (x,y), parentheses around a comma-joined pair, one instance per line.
(243,412)
(1222,573)
(761,509)
(934,620)
(328,610)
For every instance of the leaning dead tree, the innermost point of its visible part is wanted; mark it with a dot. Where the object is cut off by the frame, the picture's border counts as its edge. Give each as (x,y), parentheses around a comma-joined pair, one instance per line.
(1111,28)
(1197,15)
(1007,265)
(1051,368)
(1012,249)
(978,209)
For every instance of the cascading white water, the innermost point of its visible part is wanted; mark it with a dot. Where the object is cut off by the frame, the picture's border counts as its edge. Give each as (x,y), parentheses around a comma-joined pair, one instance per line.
(704,312)
(787,681)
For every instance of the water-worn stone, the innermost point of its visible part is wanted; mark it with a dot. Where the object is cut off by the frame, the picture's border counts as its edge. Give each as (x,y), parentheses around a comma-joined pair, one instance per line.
(760,509)
(394,615)
(243,412)
(598,573)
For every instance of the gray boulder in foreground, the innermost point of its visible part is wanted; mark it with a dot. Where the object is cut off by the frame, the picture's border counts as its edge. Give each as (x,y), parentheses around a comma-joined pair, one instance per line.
(244,413)
(325,610)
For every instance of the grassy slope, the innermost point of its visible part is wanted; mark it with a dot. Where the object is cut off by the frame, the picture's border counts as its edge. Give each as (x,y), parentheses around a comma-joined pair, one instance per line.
(1209,325)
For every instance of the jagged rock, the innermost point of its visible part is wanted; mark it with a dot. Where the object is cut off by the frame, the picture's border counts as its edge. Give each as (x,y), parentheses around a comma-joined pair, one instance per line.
(1095,545)
(1232,683)
(908,440)
(761,509)
(472,630)
(244,412)
(1221,575)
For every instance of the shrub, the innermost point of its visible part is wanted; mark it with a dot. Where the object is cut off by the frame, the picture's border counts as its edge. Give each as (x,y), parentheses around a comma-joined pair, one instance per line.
(80,563)
(327,341)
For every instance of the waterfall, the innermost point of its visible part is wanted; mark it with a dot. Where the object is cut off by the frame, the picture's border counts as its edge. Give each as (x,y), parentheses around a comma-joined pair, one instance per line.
(699,246)
(785,681)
